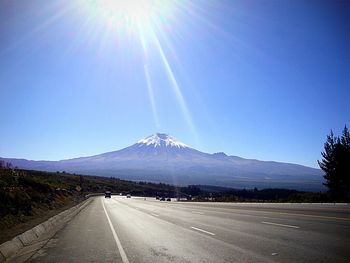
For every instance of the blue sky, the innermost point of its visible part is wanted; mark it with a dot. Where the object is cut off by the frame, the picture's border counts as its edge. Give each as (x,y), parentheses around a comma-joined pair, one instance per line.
(257,79)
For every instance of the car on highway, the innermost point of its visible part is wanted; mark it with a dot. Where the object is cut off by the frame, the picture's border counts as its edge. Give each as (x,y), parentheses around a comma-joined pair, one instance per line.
(168,199)
(128,196)
(108,194)
(162,199)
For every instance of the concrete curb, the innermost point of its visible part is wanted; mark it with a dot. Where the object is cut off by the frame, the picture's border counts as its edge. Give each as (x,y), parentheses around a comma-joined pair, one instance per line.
(52,225)
(10,248)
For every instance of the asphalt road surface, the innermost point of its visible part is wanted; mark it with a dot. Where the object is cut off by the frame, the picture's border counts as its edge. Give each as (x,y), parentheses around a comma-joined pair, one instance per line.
(133,229)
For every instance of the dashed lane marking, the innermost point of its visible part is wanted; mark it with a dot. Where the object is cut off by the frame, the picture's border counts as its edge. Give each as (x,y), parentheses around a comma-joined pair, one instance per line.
(204,231)
(196,212)
(276,224)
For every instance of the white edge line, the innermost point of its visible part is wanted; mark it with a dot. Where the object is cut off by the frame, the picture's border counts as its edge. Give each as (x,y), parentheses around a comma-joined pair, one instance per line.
(275,224)
(201,230)
(117,241)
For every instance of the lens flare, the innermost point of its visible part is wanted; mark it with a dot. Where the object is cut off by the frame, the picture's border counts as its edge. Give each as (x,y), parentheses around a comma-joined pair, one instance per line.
(145,19)
(151,97)
(132,15)
(176,89)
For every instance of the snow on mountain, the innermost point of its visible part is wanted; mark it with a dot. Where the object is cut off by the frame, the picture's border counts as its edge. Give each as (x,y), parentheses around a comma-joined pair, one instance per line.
(161,139)
(162,158)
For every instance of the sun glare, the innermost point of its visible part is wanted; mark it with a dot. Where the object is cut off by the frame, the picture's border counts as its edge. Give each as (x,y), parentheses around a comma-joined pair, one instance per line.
(131,10)
(132,15)
(147,21)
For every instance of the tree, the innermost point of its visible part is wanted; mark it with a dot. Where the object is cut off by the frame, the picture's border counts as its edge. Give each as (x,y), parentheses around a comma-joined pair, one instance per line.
(336,165)
(345,138)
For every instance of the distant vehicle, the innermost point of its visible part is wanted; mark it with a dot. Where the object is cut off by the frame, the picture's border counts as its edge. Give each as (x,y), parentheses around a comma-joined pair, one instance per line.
(168,199)
(162,199)
(157,197)
(128,196)
(108,194)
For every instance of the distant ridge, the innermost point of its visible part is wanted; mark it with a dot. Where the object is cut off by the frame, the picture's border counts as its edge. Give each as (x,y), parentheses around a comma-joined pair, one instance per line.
(163,158)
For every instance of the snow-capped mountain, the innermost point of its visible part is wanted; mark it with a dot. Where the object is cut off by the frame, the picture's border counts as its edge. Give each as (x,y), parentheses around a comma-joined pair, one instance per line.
(163,158)
(161,140)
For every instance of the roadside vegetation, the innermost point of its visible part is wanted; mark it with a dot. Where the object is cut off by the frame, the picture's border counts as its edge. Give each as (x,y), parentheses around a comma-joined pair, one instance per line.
(335,164)
(263,195)
(28,198)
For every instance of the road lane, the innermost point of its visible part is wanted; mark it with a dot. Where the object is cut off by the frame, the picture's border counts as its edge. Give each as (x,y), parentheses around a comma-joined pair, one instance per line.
(154,231)
(151,239)
(115,236)
(316,241)
(86,238)
(314,218)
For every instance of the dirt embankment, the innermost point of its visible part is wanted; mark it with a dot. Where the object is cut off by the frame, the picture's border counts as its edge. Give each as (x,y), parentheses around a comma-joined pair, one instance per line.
(27,199)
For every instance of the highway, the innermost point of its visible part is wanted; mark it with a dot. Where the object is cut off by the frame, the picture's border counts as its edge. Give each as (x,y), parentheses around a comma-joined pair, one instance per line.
(133,229)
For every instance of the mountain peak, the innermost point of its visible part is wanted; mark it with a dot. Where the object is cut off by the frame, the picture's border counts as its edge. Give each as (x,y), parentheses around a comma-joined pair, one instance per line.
(161,139)
(220,154)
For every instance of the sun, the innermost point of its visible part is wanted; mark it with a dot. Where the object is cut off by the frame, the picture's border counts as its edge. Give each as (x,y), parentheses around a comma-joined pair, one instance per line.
(131,11)
(132,15)
(152,24)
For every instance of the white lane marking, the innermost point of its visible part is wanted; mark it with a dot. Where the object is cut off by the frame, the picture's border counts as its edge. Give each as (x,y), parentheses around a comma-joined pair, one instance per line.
(117,241)
(195,212)
(154,214)
(201,230)
(275,224)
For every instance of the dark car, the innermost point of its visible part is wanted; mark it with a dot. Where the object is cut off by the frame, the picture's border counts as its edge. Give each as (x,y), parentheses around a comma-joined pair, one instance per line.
(108,194)
(168,199)
(162,199)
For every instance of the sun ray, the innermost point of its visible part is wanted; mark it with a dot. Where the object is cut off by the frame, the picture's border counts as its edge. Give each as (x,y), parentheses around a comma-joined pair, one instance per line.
(148,80)
(151,97)
(176,88)
(145,19)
